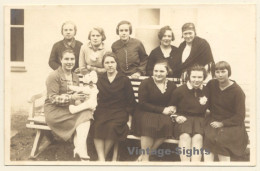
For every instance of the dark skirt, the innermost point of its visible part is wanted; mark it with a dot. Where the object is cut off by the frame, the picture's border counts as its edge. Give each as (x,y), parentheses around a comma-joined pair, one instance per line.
(152,125)
(226,140)
(62,122)
(193,125)
(110,124)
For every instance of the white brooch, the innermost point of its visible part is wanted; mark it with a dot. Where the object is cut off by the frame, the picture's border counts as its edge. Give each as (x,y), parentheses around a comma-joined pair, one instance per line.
(203,100)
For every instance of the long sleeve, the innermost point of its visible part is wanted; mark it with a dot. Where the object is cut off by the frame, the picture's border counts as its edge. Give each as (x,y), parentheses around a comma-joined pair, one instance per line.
(150,64)
(53,92)
(82,61)
(239,115)
(131,103)
(54,58)
(143,94)
(174,98)
(143,59)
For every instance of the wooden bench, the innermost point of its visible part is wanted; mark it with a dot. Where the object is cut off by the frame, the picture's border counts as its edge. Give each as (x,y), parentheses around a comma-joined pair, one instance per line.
(36,120)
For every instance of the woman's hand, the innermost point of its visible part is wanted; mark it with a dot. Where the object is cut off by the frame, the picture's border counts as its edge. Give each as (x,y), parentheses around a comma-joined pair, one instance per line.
(180,119)
(172,109)
(136,75)
(216,124)
(78,96)
(168,110)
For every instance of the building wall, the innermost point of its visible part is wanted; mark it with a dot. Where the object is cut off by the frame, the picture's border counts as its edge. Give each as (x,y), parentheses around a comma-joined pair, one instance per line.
(230,30)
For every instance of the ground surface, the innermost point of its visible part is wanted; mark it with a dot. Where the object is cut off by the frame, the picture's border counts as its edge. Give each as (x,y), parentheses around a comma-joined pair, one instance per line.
(22,141)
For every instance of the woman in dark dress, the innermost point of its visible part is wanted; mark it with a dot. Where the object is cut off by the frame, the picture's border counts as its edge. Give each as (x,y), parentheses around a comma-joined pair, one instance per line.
(152,120)
(115,102)
(165,51)
(194,50)
(56,108)
(191,102)
(130,52)
(225,132)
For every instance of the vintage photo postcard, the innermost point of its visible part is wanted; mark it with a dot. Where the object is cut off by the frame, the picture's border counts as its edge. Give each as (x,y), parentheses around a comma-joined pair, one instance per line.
(164,85)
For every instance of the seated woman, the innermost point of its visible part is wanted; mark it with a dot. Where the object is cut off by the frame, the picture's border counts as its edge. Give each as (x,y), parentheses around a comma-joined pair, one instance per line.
(115,102)
(165,51)
(56,108)
(194,50)
(152,118)
(191,102)
(130,52)
(225,132)
(91,54)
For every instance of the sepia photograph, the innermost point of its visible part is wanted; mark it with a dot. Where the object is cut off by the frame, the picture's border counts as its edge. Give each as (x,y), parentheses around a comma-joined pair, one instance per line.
(130,84)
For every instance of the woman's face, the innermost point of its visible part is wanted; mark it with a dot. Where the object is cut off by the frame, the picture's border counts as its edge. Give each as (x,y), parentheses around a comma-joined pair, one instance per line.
(196,78)
(95,38)
(110,64)
(124,32)
(188,35)
(222,75)
(167,38)
(68,61)
(68,31)
(160,72)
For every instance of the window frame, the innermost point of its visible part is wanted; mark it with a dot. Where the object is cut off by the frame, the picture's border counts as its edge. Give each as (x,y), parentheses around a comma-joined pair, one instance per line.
(15,66)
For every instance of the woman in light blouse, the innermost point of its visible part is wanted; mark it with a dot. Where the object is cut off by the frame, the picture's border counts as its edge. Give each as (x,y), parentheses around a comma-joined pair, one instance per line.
(91,54)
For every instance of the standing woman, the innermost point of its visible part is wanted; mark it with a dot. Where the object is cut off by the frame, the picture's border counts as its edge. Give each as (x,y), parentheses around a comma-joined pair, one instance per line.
(130,52)
(152,117)
(91,54)
(165,52)
(56,108)
(115,102)
(225,132)
(68,31)
(191,102)
(194,50)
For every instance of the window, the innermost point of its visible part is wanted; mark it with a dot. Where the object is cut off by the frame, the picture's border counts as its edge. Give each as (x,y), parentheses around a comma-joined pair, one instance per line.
(17,39)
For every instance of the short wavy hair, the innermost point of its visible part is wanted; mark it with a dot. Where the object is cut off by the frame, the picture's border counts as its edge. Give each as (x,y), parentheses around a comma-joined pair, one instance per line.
(67,51)
(121,23)
(69,22)
(163,30)
(165,63)
(196,67)
(109,54)
(99,30)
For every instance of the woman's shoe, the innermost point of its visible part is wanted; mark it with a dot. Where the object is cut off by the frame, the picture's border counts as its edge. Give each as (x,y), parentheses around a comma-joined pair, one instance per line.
(139,159)
(76,153)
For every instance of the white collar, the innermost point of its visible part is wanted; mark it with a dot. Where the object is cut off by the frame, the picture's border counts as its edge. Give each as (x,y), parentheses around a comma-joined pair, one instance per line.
(190,86)
(100,47)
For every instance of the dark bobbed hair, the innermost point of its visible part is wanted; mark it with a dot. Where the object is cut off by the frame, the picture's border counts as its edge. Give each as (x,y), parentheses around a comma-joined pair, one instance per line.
(67,51)
(163,30)
(165,63)
(121,23)
(109,54)
(68,22)
(220,66)
(100,30)
(196,67)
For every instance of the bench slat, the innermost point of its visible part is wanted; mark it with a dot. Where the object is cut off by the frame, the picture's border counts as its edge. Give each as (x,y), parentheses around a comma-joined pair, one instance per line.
(44,127)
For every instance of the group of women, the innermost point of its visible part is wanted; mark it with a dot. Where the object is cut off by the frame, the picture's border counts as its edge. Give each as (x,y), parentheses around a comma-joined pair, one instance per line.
(159,98)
